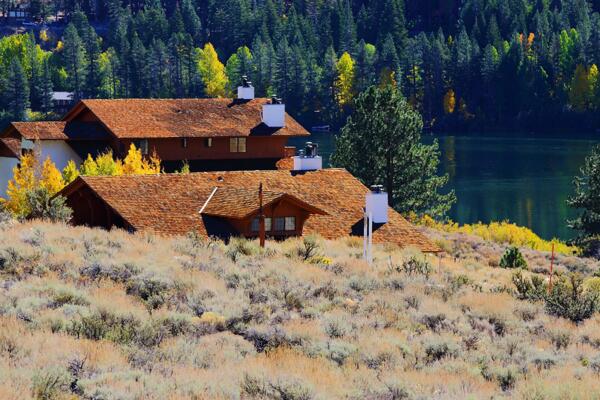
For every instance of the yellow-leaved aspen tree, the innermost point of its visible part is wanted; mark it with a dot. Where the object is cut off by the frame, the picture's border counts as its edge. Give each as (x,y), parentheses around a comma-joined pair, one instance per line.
(344,83)
(22,182)
(212,72)
(449,102)
(51,178)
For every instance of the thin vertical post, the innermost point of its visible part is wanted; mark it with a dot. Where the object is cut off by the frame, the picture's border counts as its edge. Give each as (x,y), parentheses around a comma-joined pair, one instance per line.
(261,217)
(365,232)
(551,269)
(370,257)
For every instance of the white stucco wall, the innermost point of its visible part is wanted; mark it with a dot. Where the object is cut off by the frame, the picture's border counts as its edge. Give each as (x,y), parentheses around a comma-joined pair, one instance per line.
(59,152)
(6,171)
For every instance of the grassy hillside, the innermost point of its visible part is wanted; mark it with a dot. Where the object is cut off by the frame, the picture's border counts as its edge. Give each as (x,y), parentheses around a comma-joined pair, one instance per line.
(89,314)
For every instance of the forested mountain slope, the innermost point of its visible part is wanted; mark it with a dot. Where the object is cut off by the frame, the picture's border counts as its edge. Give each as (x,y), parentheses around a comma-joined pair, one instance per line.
(472,64)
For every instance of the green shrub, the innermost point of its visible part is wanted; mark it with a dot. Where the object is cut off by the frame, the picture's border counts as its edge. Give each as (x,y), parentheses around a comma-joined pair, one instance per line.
(309,248)
(67,296)
(44,206)
(150,288)
(513,258)
(416,265)
(282,388)
(51,384)
(533,289)
(103,324)
(439,349)
(238,247)
(506,378)
(569,299)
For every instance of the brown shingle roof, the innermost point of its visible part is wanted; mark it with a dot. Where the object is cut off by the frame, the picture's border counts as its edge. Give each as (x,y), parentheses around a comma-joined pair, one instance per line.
(169,118)
(170,203)
(239,203)
(41,130)
(10,147)
(56,130)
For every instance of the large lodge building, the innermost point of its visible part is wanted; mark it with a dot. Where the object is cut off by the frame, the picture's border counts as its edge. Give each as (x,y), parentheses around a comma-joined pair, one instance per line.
(245,139)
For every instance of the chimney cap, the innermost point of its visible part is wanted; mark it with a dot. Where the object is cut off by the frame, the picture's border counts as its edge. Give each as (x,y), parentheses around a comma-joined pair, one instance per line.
(276,100)
(245,81)
(377,189)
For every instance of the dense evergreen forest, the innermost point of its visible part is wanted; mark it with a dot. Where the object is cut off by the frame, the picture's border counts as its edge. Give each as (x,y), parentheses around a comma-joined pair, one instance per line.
(464,64)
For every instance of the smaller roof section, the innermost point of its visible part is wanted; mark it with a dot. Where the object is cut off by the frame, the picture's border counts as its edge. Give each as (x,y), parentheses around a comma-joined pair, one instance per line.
(242,203)
(40,130)
(55,130)
(10,147)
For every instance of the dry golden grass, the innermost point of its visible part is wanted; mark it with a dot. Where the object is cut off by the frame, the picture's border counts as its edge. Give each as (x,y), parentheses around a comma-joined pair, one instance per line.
(92,314)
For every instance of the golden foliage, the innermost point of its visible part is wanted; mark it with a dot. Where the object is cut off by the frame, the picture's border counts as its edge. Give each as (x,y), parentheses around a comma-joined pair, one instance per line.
(499,232)
(29,175)
(70,172)
(449,102)
(44,35)
(51,178)
(344,82)
(581,92)
(23,181)
(135,164)
(212,72)
(89,167)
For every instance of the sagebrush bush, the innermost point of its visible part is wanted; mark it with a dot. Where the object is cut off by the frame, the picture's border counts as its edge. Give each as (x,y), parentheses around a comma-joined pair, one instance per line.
(534,288)
(417,265)
(44,206)
(569,299)
(124,316)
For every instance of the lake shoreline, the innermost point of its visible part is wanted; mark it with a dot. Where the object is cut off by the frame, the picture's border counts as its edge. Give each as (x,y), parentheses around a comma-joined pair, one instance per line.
(522,178)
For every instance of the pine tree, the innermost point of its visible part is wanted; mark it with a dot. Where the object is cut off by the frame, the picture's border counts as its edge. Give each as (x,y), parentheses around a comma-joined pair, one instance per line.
(91,44)
(283,70)
(392,21)
(586,201)
(392,154)
(366,58)
(191,21)
(75,60)
(17,91)
(347,28)
(46,90)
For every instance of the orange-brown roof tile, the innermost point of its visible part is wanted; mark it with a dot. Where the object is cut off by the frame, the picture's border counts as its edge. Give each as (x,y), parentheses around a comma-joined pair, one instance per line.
(41,130)
(171,118)
(239,203)
(170,203)
(10,147)
(55,130)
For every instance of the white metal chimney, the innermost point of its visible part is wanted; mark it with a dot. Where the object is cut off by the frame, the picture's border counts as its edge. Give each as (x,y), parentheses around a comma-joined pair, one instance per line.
(273,113)
(308,159)
(246,90)
(377,204)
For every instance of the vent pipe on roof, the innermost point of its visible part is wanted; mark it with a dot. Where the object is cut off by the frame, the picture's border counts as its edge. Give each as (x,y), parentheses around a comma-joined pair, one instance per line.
(273,113)
(246,90)
(308,159)
(377,204)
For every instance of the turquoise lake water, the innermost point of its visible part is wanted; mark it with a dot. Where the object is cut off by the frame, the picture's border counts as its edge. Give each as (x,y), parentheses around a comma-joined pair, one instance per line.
(524,179)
